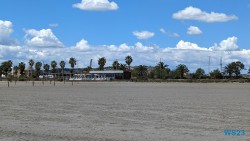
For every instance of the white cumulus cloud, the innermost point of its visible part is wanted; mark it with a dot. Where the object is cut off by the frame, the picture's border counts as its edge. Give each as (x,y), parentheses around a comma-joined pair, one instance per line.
(42,38)
(139,47)
(188,45)
(193,13)
(6,28)
(121,48)
(143,34)
(193,30)
(82,45)
(184,52)
(96,5)
(230,44)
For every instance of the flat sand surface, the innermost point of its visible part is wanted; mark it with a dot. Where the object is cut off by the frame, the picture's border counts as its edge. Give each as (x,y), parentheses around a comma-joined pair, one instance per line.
(119,111)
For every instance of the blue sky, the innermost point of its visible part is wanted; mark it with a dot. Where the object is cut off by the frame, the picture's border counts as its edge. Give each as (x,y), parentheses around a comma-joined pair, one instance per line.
(147,30)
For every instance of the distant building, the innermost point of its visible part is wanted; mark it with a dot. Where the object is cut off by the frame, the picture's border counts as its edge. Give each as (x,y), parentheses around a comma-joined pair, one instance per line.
(112,74)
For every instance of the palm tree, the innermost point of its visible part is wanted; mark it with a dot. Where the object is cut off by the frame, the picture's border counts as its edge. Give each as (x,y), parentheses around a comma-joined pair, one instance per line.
(116,65)
(72,62)
(161,65)
(182,69)
(128,61)
(21,67)
(38,66)
(31,64)
(229,69)
(62,64)
(101,63)
(53,66)
(162,70)
(46,68)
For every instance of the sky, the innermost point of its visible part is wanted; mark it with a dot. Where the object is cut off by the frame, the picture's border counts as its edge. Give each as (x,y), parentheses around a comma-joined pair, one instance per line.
(173,31)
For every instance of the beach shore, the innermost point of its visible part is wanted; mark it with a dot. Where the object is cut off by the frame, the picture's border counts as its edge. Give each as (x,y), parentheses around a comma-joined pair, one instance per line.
(123,111)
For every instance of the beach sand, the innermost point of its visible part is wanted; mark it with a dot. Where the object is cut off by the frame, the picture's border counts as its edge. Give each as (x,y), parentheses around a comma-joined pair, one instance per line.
(123,111)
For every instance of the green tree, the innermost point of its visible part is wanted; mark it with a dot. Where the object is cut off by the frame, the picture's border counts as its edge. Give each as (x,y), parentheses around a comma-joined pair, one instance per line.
(116,65)
(234,68)
(141,71)
(216,74)
(182,69)
(101,63)
(87,69)
(21,67)
(229,68)
(38,66)
(128,61)
(161,70)
(62,65)
(1,72)
(6,67)
(31,64)
(122,67)
(174,74)
(239,66)
(199,73)
(46,68)
(72,62)
(53,66)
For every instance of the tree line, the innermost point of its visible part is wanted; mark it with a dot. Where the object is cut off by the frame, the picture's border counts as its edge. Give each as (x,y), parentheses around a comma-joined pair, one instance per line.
(160,71)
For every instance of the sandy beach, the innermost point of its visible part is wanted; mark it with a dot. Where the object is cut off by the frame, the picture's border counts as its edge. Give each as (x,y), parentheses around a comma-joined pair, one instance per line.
(123,111)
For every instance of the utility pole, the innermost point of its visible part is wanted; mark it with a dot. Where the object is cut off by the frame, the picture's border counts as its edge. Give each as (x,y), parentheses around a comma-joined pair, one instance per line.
(209,63)
(221,64)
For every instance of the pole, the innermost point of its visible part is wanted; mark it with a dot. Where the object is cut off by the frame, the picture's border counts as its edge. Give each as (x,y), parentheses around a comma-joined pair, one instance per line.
(43,73)
(221,64)
(209,62)
(160,69)
(63,77)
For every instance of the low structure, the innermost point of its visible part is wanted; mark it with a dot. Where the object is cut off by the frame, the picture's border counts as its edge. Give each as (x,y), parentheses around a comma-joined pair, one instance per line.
(100,75)
(110,74)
